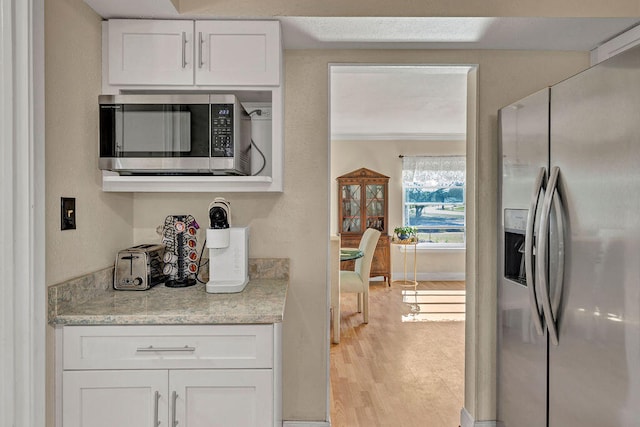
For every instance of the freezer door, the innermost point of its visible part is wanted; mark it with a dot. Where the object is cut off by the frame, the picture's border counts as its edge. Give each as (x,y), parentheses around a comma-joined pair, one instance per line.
(594,371)
(522,353)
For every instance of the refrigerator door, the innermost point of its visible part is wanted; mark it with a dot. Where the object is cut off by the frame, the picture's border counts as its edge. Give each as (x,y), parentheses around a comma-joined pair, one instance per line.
(522,353)
(594,371)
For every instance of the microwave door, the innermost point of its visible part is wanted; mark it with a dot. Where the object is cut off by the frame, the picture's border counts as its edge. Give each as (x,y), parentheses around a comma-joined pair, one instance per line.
(143,131)
(164,138)
(179,134)
(165,130)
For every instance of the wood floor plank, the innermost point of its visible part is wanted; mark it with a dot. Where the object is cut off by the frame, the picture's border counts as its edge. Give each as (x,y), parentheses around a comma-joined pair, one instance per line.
(394,373)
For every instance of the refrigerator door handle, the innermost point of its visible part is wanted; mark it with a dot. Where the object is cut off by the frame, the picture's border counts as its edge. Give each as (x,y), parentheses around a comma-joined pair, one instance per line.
(528,251)
(557,296)
(541,260)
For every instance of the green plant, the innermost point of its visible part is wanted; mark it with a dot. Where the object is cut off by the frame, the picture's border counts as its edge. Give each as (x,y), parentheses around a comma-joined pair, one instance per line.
(406,231)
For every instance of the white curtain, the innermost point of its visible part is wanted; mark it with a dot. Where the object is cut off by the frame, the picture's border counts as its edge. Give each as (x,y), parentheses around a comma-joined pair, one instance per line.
(433,171)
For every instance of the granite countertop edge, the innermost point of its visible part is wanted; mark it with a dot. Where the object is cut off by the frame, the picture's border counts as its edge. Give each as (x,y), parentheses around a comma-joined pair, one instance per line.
(77,320)
(90,300)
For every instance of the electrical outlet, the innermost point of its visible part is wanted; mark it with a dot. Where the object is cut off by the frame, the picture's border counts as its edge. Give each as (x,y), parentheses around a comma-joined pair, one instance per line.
(263,107)
(67,213)
(266,113)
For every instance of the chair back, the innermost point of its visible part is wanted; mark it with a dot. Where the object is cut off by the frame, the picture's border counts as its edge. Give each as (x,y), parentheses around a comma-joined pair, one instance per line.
(367,246)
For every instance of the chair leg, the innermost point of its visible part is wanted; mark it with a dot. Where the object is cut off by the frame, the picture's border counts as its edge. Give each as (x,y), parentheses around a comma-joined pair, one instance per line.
(359,302)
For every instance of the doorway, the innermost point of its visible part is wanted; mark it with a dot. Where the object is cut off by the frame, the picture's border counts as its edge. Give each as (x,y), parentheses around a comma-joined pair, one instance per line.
(378,114)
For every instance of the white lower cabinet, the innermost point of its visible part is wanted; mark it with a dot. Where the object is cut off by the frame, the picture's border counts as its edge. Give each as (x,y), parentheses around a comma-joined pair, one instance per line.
(186,398)
(214,376)
(115,398)
(221,398)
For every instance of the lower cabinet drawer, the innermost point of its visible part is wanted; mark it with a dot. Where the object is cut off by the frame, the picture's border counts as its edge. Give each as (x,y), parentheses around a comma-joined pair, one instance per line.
(174,346)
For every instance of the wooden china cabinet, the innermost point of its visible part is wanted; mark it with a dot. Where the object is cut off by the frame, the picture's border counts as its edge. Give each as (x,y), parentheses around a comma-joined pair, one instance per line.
(363,203)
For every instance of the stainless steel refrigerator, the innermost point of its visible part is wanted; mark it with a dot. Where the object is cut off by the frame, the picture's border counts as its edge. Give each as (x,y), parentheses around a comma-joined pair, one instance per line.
(569,252)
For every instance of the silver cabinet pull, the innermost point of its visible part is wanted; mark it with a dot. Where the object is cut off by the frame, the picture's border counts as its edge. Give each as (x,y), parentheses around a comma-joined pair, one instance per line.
(200,43)
(184,49)
(528,251)
(154,349)
(156,422)
(174,399)
(541,260)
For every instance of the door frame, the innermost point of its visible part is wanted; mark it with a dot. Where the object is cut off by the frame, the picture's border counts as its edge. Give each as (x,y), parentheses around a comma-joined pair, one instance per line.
(476,355)
(22,253)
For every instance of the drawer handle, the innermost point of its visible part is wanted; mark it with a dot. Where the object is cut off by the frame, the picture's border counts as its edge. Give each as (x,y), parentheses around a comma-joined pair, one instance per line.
(154,349)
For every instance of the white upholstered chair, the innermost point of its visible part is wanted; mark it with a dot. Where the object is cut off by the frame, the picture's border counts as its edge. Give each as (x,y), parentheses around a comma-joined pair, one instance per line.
(358,280)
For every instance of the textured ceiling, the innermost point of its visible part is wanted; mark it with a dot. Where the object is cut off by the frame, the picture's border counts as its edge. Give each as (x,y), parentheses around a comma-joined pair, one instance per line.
(581,34)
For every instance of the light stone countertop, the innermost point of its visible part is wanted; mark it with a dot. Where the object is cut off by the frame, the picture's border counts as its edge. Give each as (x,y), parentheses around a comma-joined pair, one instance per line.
(91,300)
(262,301)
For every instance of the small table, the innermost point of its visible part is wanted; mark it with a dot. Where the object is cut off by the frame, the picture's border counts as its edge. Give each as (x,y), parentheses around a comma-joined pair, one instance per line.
(347,254)
(406,243)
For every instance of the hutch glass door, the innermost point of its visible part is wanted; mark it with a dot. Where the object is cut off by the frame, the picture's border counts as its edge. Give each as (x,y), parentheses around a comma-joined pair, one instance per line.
(351,205)
(374,207)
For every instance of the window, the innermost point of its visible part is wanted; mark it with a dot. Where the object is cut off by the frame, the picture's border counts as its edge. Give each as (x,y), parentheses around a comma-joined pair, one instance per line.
(433,191)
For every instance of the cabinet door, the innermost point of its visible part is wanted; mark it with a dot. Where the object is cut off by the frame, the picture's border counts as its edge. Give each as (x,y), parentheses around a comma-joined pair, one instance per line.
(381,264)
(238,53)
(222,398)
(375,206)
(351,208)
(147,52)
(115,398)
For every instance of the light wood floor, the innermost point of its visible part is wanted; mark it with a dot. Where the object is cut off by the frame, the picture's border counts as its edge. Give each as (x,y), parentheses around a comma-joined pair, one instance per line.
(390,373)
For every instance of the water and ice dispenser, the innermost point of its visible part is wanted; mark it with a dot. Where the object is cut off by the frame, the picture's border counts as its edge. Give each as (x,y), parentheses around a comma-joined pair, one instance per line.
(515,226)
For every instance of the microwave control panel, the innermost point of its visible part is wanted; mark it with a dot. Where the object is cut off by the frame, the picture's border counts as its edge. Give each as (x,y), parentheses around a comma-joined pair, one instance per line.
(222,130)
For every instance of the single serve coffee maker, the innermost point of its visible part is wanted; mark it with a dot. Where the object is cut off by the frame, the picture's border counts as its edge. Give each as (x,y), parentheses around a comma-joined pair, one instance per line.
(228,251)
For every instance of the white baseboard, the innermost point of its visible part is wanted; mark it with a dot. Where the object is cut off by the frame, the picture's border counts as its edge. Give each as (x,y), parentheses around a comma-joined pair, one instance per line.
(306,424)
(440,277)
(466,420)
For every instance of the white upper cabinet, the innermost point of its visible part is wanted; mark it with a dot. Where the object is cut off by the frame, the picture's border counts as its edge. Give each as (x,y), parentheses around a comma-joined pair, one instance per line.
(238,53)
(150,52)
(187,53)
(243,58)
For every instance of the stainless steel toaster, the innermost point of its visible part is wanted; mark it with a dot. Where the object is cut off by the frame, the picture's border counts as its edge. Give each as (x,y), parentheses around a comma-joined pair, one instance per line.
(139,267)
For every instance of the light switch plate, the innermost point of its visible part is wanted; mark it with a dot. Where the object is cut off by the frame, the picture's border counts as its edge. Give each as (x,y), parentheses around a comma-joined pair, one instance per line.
(67,213)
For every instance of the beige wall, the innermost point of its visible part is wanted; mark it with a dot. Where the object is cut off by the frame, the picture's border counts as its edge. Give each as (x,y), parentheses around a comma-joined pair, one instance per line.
(382,157)
(104,221)
(72,84)
(504,76)
(294,224)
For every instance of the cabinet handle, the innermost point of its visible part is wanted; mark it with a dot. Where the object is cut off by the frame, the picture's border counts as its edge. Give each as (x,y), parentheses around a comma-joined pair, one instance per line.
(153,349)
(174,398)
(156,422)
(184,49)
(200,43)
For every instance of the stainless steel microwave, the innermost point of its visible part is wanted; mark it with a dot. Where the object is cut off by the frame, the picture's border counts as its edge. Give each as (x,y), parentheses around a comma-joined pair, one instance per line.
(189,134)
